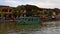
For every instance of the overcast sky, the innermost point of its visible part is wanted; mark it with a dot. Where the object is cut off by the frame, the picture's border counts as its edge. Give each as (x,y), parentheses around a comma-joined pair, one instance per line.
(39,3)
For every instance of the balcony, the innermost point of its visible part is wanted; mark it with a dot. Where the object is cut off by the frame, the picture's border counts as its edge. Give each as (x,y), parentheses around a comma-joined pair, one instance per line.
(5,12)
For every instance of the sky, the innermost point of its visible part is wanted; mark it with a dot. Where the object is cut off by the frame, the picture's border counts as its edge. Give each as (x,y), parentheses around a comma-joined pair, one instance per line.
(39,3)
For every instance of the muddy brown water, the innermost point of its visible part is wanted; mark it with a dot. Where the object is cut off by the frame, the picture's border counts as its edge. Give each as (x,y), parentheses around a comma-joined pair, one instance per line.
(48,28)
(12,27)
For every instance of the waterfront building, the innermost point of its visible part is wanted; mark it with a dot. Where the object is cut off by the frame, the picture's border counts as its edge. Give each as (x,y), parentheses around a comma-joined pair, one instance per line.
(26,11)
(6,11)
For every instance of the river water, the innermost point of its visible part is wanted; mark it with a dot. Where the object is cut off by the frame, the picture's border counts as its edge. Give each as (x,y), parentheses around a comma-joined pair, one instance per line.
(52,27)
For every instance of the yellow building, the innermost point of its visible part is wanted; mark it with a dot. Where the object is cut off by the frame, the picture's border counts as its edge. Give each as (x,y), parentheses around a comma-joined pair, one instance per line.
(5,11)
(54,13)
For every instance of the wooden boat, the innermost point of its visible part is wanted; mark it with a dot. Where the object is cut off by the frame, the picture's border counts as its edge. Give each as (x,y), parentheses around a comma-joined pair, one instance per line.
(29,20)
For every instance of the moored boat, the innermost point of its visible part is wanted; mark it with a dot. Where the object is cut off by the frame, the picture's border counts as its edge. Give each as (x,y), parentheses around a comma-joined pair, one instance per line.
(28,20)
(23,20)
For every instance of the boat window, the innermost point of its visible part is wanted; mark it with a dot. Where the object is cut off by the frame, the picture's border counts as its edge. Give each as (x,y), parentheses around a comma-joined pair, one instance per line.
(5,15)
(30,19)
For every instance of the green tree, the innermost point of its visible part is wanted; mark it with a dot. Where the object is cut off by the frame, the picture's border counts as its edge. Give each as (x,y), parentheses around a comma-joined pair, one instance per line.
(34,12)
(17,11)
(57,11)
(14,13)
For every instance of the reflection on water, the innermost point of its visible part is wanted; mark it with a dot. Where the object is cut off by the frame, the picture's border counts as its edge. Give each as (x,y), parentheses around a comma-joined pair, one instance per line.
(48,28)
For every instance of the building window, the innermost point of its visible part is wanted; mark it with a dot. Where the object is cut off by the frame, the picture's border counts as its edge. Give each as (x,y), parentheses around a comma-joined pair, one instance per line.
(5,10)
(0,15)
(0,10)
(9,15)
(5,15)
(10,10)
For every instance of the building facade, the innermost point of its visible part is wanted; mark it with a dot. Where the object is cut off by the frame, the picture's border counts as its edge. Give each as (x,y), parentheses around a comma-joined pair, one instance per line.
(6,11)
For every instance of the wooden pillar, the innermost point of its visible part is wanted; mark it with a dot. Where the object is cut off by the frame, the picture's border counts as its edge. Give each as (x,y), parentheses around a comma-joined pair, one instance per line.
(1,12)
(8,10)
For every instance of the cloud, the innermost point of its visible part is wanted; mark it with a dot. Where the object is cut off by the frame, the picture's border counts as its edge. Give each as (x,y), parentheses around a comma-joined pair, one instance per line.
(48,3)
(12,3)
(39,3)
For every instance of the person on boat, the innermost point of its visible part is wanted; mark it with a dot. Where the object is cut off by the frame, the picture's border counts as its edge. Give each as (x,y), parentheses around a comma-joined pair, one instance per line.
(53,17)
